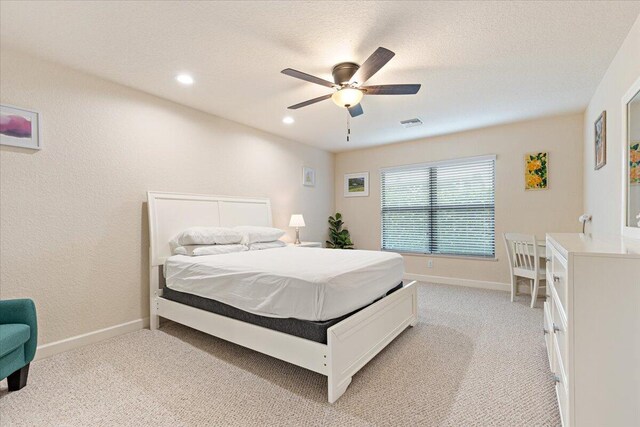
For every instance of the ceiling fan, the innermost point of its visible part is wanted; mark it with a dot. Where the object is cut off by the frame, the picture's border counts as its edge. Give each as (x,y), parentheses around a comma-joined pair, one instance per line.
(348,78)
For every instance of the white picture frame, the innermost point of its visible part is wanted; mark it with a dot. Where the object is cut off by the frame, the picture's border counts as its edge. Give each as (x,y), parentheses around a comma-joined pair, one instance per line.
(308,176)
(356,184)
(20,127)
(626,229)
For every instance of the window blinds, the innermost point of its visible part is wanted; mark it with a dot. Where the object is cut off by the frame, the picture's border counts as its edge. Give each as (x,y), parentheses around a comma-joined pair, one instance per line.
(443,208)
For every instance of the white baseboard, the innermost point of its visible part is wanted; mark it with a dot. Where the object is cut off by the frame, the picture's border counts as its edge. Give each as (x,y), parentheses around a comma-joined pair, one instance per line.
(523,288)
(497,286)
(47,350)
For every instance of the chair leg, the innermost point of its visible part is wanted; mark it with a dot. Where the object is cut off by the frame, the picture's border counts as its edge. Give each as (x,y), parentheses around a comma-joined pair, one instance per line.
(18,379)
(534,292)
(514,287)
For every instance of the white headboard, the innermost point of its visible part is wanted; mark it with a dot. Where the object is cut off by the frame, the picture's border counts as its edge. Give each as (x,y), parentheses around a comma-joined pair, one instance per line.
(171,213)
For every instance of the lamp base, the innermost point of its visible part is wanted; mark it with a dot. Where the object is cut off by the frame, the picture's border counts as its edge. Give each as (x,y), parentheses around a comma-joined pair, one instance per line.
(297,242)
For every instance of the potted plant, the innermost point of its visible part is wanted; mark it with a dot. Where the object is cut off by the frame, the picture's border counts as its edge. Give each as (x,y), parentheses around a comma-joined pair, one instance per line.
(339,237)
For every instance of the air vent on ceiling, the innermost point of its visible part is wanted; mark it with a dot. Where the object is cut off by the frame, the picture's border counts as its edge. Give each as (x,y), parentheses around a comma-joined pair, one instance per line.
(411,123)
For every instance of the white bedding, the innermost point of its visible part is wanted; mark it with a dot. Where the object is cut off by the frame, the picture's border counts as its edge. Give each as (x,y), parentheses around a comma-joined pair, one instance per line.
(303,283)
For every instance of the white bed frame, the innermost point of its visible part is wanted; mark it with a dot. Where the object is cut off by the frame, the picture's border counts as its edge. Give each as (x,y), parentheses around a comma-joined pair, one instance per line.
(350,344)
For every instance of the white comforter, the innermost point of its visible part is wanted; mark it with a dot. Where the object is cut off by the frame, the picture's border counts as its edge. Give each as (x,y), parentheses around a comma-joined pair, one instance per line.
(303,283)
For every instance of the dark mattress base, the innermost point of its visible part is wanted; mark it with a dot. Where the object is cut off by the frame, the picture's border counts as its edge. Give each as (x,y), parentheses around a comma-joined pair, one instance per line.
(314,331)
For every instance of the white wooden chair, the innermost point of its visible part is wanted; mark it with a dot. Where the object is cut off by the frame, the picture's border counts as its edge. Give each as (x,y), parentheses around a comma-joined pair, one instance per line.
(524,261)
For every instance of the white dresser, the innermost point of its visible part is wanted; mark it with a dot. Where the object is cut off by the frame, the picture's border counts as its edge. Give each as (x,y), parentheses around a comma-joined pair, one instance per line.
(592,328)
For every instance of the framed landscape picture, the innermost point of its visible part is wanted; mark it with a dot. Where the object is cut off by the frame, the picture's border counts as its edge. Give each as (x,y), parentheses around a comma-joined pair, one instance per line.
(19,128)
(536,171)
(600,130)
(356,184)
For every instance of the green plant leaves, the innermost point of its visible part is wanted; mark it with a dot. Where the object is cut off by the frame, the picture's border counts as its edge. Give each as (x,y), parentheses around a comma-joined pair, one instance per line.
(340,238)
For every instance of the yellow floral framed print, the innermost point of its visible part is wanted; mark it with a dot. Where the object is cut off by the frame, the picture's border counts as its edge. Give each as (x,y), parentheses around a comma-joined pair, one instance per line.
(535,171)
(634,163)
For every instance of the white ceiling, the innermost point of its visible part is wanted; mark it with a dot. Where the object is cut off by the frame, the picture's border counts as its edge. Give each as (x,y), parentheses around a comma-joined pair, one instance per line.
(479,63)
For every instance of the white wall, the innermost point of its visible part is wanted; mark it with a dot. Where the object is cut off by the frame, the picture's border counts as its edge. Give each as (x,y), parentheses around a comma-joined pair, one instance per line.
(603,187)
(73,221)
(537,212)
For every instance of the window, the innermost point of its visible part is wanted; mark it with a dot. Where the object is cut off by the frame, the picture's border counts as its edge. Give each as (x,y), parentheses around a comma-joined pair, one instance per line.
(445,208)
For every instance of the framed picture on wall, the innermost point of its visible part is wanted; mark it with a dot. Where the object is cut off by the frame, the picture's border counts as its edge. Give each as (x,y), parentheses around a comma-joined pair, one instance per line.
(600,132)
(356,184)
(536,166)
(19,127)
(634,163)
(308,176)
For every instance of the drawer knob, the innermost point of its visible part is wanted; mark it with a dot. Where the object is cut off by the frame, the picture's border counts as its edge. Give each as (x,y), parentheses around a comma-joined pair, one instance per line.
(556,379)
(556,279)
(548,259)
(545,331)
(556,328)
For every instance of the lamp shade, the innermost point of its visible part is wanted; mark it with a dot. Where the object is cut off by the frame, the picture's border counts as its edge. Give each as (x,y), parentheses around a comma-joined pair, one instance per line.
(296,221)
(347,97)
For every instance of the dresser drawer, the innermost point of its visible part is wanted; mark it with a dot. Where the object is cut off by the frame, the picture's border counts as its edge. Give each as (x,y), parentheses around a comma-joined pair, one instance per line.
(548,331)
(557,279)
(562,386)
(559,332)
(563,402)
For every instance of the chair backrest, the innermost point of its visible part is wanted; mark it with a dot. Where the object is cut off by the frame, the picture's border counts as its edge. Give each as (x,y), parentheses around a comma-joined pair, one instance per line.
(522,251)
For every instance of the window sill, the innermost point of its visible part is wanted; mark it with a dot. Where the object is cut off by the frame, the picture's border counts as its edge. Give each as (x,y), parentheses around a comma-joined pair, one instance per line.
(460,257)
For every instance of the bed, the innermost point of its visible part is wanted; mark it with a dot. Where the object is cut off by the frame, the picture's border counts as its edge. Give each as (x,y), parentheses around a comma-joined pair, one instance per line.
(319,309)
(302,283)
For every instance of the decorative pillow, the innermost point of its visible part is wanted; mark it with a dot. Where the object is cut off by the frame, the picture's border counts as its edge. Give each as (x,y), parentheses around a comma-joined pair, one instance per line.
(200,250)
(207,236)
(252,234)
(266,245)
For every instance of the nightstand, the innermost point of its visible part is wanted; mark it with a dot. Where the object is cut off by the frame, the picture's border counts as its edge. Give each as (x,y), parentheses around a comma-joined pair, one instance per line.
(306,245)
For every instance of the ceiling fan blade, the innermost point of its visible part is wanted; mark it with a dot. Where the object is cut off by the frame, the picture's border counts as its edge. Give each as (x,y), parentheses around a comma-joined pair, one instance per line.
(356,110)
(311,101)
(391,89)
(307,77)
(372,65)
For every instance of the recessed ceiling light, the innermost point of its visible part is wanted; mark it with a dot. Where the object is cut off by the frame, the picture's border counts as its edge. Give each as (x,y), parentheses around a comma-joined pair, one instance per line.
(288,120)
(185,79)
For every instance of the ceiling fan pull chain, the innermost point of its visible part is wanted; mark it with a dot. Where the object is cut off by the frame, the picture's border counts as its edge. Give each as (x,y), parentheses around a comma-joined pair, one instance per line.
(348,126)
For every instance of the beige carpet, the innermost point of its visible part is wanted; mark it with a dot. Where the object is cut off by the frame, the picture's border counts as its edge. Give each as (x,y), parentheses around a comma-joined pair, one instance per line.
(474,359)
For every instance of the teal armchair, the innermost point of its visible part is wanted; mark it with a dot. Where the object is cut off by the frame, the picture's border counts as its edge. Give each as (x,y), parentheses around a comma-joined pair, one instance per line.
(18,340)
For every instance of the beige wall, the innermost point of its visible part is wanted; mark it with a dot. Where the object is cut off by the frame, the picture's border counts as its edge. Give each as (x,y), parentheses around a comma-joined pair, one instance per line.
(603,187)
(538,212)
(73,226)
(73,230)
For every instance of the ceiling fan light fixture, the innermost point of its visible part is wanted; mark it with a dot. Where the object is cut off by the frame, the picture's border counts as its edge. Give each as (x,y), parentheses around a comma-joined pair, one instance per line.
(348,78)
(347,97)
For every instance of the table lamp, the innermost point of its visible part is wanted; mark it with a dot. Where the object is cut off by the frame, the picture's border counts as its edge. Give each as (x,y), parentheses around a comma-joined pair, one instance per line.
(297,221)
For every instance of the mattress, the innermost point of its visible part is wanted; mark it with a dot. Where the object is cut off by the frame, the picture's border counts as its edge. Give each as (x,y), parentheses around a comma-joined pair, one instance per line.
(303,283)
(314,331)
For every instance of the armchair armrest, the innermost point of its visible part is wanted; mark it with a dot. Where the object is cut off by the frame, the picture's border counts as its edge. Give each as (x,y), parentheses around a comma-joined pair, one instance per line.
(22,311)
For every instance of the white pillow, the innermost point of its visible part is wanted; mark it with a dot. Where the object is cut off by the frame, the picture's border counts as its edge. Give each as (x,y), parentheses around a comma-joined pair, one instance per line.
(266,245)
(252,234)
(200,250)
(207,236)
